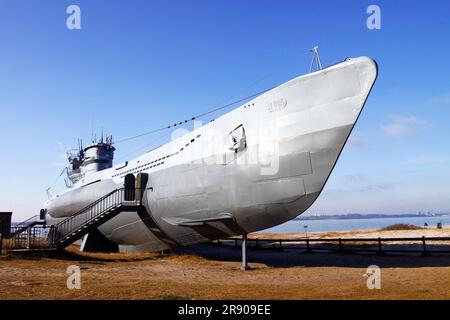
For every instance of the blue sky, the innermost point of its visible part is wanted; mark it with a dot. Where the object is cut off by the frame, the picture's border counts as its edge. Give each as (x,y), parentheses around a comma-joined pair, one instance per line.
(139,65)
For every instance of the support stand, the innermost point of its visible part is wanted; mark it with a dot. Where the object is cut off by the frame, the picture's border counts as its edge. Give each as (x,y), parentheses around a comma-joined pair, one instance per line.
(244,265)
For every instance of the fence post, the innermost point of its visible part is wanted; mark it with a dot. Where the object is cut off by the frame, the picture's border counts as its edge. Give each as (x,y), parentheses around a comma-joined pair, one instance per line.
(425,252)
(380,250)
(308,248)
(340,244)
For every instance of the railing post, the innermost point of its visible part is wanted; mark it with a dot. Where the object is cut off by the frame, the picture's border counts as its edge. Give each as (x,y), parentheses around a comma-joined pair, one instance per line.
(424,246)
(28,237)
(340,244)
(308,248)
(380,250)
(54,236)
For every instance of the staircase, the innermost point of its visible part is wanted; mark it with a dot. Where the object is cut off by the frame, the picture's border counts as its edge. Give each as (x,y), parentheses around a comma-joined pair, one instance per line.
(76,226)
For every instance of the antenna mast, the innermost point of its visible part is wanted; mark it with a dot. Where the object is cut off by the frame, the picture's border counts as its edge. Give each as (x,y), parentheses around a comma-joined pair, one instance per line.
(315,57)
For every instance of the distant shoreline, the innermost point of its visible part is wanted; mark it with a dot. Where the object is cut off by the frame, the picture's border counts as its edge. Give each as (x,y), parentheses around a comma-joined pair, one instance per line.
(368,216)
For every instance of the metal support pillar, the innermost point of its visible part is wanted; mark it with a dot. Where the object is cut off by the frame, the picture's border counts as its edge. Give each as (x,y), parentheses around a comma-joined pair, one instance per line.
(244,265)
(28,237)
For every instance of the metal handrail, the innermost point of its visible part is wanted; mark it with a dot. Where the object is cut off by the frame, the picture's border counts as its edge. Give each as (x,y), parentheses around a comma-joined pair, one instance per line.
(85,216)
(29,238)
(82,210)
(25,223)
(71,228)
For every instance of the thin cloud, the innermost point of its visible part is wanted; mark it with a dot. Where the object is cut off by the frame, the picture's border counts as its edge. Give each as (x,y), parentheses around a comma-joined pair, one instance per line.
(376,187)
(440,100)
(356,178)
(367,187)
(401,126)
(428,159)
(358,141)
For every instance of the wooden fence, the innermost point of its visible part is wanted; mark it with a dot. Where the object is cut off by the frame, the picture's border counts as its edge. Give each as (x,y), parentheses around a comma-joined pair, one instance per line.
(424,245)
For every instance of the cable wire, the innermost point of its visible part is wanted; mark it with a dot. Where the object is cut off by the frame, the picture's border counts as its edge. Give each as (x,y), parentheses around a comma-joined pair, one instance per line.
(193,118)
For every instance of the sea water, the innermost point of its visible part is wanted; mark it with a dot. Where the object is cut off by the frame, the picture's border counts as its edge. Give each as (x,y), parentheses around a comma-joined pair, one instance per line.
(298,225)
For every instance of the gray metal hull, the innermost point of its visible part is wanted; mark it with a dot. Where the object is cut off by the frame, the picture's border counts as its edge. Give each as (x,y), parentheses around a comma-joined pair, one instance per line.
(293,137)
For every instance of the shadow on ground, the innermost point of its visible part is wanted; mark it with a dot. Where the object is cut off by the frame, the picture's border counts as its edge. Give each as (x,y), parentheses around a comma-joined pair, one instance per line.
(270,257)
(297,258)
(73,254)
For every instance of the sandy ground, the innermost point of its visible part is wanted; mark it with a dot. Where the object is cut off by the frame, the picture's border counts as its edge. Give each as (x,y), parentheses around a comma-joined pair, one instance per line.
(370,233)
(210,272)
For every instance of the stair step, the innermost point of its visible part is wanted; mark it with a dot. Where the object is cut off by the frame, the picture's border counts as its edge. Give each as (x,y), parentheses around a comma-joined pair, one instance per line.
(89,222)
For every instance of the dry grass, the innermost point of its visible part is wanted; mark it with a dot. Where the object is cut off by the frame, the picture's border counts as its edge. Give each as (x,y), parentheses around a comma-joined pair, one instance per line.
(199,276)
(400,226)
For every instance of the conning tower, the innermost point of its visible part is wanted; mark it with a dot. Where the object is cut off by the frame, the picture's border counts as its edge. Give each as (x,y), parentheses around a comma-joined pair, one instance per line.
(98,156)
(94,157)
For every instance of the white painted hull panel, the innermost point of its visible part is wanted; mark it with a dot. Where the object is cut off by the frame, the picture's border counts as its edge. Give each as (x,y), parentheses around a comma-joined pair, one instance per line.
(294,135)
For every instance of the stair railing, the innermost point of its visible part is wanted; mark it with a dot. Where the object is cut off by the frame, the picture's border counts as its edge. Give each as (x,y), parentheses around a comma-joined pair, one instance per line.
(93,211)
